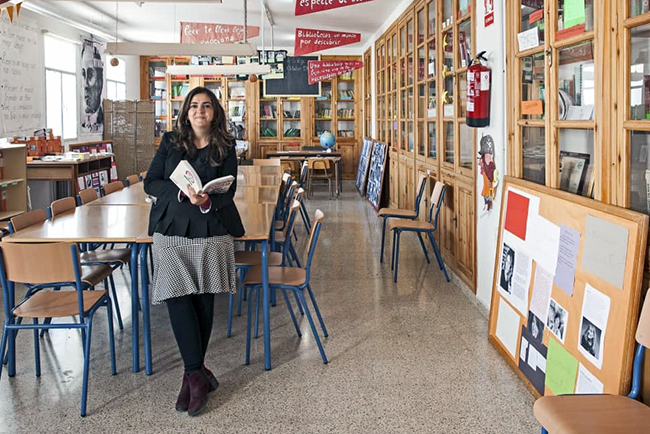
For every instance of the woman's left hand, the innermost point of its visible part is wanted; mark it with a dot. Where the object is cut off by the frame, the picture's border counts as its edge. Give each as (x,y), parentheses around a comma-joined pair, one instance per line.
(195,198)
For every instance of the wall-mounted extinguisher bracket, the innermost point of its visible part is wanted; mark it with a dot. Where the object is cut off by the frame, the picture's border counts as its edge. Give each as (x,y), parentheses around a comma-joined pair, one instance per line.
(479,78)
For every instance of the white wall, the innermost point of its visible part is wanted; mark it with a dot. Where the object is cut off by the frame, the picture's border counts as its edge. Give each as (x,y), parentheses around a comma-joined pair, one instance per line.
(492,40)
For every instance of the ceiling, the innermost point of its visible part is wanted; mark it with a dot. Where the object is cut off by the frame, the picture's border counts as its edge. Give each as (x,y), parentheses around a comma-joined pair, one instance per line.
(159,22)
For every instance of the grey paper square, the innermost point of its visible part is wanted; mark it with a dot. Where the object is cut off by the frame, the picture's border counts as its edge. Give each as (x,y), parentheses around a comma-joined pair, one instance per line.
(605,250)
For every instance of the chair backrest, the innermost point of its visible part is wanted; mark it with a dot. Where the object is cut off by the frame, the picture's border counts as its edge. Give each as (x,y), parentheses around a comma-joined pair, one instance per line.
(23,221)
(87,196)
(133,179)
(296,197)
(437,197)
(317,163)
(112,187)
(313,239)
(143,175)
(287,199)
(61,206)
(418,197)
(266,162)
(643,342)
(295,206)
(303,173)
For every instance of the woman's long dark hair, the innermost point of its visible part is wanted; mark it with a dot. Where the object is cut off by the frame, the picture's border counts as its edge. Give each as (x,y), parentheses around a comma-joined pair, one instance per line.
(219,139)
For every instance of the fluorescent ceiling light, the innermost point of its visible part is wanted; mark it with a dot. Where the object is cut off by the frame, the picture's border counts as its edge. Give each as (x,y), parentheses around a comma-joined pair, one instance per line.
(176,49)
(243,69)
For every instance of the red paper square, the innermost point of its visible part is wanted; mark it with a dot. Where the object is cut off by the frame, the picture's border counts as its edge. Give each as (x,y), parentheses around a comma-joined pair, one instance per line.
(517,214)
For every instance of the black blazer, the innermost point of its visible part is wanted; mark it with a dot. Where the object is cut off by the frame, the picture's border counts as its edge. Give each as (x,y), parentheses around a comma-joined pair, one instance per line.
(170,217)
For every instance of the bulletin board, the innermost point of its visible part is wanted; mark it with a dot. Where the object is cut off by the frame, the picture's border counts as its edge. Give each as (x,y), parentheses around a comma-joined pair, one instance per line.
(364,164)
(566,290)
(376,176)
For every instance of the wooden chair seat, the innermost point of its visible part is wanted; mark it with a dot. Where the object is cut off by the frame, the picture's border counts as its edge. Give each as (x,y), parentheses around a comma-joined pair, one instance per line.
(107,256)
(277,276)
(252,258)
(396,212)
(409,224)
(95,274)
(592,414)
(57,304)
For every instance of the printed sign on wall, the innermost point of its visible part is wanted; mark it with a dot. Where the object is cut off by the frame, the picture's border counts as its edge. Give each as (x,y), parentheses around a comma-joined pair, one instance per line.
(320,70)
(489,12)
(304,7)
(212,33)
(312,40)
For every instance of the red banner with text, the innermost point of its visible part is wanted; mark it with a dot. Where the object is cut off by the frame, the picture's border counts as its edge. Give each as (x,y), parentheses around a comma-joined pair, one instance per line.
(211,33)
(304,7)
(311,40)
(319,70)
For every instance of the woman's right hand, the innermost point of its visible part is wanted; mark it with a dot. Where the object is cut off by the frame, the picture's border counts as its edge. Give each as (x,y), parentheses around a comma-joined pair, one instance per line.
(195,198)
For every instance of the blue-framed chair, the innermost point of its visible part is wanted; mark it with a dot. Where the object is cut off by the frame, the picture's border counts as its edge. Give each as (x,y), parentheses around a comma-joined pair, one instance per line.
(290,279)
(132,179)
(62,268)
(397,213)
(598,414)
(112,187)
(399,226)
(285,206)
(143,175)
(245,259)
(304,171)
(280,238)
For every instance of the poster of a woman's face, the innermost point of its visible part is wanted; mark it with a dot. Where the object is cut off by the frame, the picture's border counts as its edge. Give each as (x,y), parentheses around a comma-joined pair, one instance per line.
(507,268)
(590,338)
(557,320)
(92,83)
(535,326)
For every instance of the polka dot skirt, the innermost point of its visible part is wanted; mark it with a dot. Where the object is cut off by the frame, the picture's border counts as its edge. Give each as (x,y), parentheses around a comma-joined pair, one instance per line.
(185,266)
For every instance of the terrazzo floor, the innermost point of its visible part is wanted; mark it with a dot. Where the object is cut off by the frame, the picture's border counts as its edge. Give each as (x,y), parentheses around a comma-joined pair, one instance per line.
(410,357)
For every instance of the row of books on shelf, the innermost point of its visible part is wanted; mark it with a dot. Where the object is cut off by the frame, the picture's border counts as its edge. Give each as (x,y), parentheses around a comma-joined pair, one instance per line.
(346,94)
(237,92)
(325,94)
(347,76)
(180,90)
(346,113)
(268,111)
(324,113)
(346,133)
(236,110)
(292,132)
(270,132)
(94,180)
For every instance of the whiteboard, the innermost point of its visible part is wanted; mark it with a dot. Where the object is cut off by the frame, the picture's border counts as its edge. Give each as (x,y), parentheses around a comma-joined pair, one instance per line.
(21,72)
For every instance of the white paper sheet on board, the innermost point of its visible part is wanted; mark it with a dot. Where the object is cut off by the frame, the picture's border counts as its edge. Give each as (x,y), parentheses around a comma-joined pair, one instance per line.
(593,325)
(523,348)
(567,259)
(605,250)
(541,297)
(587,382)
(543,242)
(514,273)
(507,330)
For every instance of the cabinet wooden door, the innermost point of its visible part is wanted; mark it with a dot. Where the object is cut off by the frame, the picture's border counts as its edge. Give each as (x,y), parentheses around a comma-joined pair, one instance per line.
(268,147)
(393,176)
(464,196)
(347,163)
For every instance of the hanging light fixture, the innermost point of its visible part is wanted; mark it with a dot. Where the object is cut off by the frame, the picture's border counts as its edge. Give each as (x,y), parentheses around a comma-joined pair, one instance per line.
(115,61)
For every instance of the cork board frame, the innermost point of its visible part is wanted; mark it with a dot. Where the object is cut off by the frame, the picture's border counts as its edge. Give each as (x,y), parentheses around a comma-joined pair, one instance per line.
(562,208)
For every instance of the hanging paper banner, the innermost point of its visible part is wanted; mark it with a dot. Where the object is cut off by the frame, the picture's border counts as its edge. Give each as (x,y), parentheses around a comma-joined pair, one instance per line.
(319,70)
(311,40)
(10,10)
(489,12)
(304,7)
(211,33)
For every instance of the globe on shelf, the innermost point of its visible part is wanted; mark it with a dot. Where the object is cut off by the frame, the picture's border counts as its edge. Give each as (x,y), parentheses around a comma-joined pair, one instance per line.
(327,140)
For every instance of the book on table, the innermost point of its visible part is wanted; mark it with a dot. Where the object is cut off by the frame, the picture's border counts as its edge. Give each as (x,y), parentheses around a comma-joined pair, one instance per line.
(185,176)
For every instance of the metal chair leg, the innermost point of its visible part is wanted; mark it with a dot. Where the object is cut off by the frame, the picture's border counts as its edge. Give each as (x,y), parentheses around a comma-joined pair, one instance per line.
(116,302)
(84,387)
(37,350)
(544,431)
(320,318)
(257,316)
(111,336)
(3,345)
(398,234)
(231,298)
(424,248)
(313,327)
(438,256)
(290,309)
(253,293)
(392,257)
(383,237)
(302,312)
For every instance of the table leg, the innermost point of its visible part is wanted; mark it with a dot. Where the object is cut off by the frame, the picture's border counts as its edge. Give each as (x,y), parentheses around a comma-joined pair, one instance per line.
(144,274)
(338,177)
(265,306)
(11,336)
(135,314)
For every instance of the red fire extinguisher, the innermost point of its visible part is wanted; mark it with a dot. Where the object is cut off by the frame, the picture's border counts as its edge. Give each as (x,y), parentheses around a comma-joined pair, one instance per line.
(478,92)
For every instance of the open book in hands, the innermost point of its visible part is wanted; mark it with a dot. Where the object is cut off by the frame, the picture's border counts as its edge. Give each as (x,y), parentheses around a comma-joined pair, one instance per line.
(185,176)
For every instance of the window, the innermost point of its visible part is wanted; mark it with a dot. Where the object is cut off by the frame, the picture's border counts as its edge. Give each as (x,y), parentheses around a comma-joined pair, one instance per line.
(115,80)
(61,87)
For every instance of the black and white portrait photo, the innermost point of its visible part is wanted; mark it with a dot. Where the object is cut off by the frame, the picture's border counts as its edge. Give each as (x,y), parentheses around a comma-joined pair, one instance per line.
(590,336)
(535,327)
(557,320)
(507,268)
(92,83)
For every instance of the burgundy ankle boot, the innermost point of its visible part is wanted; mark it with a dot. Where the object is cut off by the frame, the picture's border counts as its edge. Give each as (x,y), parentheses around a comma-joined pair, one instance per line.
(213,381)
(199,386)
(183,400)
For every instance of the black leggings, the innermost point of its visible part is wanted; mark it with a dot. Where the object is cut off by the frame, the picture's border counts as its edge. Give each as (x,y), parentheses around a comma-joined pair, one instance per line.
(191,317)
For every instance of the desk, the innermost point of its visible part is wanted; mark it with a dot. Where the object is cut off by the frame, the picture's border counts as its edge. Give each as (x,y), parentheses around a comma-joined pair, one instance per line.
(304,155)
(121,220)
(69,171)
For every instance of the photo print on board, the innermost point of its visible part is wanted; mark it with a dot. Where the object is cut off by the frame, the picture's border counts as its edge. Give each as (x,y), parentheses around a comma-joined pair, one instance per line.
(92,88)
(557,320)
(535,327)
(590,338)
(507,268)
(593,325)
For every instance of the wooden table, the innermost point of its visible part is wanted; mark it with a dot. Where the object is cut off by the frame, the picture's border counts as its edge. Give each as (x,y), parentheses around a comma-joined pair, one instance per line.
(69,170)
(125,219)
(302,156)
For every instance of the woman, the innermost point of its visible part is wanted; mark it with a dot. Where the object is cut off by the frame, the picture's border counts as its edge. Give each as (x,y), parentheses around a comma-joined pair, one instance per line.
(588,340)
(193,236)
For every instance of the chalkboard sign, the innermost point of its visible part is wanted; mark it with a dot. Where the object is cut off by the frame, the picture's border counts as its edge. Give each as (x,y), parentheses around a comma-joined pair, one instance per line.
(364,163)
(376,176)
(295,81)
